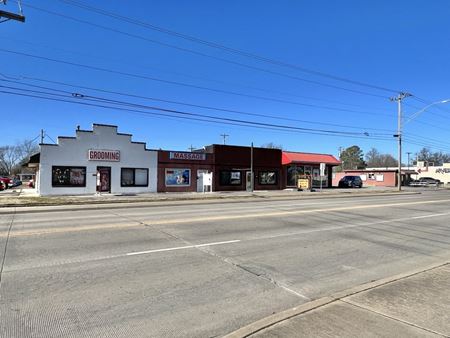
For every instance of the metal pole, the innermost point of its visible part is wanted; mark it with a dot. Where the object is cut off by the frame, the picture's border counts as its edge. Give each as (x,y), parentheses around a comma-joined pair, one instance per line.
(42,136)
(399,177)
(408,153)
(251,169)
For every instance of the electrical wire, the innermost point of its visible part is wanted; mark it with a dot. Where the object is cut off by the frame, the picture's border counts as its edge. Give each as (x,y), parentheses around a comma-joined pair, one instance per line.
(196,77)
(192,116)
(100,99)
(183,103)
(205,55)
(183,84)
(239,52)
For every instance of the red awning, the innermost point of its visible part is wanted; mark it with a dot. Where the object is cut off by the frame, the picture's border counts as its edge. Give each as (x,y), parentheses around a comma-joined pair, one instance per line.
(291,157)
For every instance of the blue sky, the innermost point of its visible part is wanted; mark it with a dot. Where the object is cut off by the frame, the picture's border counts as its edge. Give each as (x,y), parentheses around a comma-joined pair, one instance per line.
(399,45)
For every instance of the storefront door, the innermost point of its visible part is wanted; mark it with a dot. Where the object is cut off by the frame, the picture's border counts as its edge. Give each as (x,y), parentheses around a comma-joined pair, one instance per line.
(104,179)
(248,181)
(200,182)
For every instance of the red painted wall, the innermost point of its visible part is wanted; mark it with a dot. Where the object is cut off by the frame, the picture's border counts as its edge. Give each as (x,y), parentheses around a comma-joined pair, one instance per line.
(164,162)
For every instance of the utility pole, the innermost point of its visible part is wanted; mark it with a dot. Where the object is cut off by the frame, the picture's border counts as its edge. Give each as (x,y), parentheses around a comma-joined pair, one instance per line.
(191,148)
(42,136)
(11,16)
(251,169)
(408,153)
(224,138)
(399,99)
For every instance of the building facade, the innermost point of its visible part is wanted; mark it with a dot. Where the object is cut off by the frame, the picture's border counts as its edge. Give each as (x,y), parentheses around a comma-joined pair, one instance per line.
(102,160)
(98,160)
(298,164)
(233,165)
(183,171)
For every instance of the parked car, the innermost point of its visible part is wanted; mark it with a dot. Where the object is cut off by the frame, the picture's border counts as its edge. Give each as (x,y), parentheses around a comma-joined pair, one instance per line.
(15,183)
(425,182)
(6,180)
(350,182)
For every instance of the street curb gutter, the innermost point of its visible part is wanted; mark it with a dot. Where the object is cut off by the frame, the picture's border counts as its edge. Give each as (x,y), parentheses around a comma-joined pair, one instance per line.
(101,205)
(269,321)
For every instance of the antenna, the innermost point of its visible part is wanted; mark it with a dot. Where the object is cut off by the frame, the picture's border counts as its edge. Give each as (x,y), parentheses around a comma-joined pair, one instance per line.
(11,16)
(224,137)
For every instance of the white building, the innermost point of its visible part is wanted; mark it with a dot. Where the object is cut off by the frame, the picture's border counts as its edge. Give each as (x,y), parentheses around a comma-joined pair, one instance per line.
(425,169)
(99,160)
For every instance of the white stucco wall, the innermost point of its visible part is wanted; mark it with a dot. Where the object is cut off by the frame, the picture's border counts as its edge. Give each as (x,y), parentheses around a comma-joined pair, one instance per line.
(441,173)
(74,152)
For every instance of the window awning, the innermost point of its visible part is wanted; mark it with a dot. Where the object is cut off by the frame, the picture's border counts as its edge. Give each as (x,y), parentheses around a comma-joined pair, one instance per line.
(309,158)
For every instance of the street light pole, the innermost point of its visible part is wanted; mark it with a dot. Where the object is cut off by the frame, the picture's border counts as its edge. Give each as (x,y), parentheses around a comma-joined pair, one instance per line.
(399,99)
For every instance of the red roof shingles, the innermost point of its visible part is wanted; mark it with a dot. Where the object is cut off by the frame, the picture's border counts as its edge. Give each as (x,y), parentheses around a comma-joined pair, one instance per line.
(294,157)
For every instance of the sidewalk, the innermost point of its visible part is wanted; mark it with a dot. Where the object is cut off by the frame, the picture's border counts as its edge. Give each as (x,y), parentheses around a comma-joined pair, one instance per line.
(415,305)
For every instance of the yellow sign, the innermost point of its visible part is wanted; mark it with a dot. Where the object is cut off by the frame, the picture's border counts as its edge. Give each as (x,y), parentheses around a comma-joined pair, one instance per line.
(304,183)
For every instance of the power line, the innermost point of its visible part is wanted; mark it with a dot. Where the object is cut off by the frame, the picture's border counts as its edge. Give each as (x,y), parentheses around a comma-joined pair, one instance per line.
(192,116)
(272,61)
(183,84)
(427,145)
(182,103)
(116,102)
(206,55)
(265,90)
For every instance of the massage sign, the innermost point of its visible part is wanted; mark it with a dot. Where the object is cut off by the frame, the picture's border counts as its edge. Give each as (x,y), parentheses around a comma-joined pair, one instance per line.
(104,155)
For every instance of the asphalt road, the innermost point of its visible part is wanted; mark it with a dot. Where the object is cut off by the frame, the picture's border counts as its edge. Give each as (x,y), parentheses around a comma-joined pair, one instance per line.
(204,270)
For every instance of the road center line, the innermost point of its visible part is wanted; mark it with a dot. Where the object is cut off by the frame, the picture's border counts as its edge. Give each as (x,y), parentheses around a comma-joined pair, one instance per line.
(217,218)
(180,248)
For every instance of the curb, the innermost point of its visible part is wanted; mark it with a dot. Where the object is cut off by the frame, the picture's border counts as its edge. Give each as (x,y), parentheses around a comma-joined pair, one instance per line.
(271,320)
(122,204)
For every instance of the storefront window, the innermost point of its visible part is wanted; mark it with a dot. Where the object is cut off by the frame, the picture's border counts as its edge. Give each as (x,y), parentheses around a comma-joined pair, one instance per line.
(292,172)
(68,176)
(267,177)
(178,177)
(230,178)
(134,177)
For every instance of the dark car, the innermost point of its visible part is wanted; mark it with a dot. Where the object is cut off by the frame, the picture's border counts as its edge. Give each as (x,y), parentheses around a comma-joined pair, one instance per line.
(15,183)
(2,186)
(350,182)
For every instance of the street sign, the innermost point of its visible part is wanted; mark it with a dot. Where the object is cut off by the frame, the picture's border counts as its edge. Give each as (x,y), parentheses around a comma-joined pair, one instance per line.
(322,169)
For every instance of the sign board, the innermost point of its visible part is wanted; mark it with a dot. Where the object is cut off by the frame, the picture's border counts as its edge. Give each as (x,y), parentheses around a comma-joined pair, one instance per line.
(322,169)
(207,179)
(104,155)
(187,156)
(304,183)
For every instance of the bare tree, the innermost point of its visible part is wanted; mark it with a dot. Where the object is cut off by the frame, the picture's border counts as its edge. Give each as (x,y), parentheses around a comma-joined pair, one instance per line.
(272,145)
(13,156)
(378,160)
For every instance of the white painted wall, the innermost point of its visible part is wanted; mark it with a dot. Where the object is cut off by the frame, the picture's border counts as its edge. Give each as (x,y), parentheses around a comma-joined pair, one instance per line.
(441,173)
(74,152)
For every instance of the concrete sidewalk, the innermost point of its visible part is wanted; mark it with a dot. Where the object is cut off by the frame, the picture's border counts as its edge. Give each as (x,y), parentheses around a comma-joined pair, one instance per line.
(417,305)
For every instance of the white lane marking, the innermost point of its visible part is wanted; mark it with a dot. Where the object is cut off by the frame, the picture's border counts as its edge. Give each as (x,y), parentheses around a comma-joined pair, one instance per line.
(427,216)
(180,248)
(293,291)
